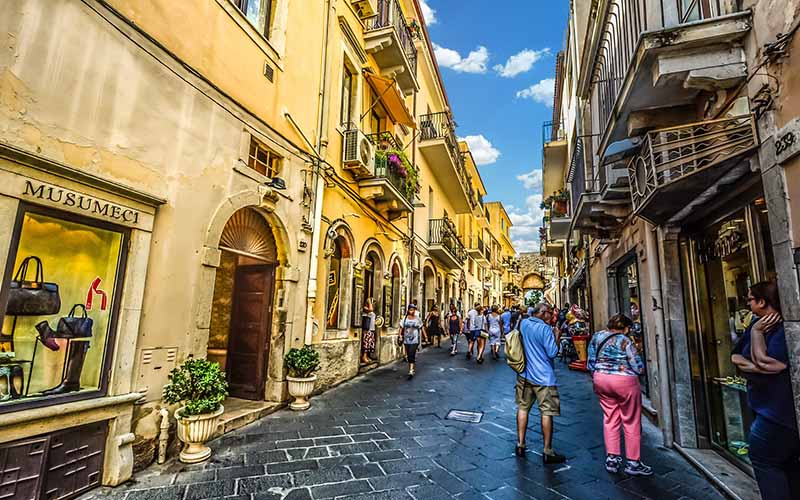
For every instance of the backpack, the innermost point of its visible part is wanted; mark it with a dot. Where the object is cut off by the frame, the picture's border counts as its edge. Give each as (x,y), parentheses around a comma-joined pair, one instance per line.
(515,351)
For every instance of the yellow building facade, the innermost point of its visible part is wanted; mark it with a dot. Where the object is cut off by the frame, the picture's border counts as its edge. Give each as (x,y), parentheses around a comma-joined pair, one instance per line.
(224,179)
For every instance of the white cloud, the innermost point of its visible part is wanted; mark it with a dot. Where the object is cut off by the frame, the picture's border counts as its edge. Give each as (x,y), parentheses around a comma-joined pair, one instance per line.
(427,12)
(532,179)
(540,92)
(520,63)
(482,150)
(475,62)
(526,223)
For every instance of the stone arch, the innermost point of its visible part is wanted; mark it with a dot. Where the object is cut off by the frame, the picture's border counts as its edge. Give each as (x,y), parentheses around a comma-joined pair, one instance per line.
(393,310)
(279,254)
(340,263)
(373,267)
(533,281)
(429,275)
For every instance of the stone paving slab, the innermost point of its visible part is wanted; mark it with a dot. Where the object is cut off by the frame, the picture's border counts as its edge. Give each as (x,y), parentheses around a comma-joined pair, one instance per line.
(381,436)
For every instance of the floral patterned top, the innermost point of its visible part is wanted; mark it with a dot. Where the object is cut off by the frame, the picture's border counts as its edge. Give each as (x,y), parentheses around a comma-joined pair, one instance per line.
(619,355)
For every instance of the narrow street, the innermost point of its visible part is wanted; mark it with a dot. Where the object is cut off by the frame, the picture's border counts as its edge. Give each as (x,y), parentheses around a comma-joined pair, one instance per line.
(382,437)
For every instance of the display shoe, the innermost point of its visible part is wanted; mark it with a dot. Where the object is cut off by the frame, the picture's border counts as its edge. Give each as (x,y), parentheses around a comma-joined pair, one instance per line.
(72,376)
(46,335)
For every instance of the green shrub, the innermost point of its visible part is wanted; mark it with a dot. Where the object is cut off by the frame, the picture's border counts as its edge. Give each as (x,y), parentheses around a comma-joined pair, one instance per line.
(199,384)
(301,363)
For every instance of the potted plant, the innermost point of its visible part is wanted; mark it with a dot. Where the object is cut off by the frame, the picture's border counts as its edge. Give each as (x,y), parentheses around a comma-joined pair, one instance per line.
(301,365)
(559,203)
(200,386)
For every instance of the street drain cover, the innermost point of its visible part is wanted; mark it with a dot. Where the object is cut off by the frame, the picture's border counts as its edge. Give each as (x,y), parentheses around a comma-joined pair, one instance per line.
(472,417)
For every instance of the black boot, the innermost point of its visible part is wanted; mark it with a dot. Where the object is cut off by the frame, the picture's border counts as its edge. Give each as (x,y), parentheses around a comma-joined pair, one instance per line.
(72,375)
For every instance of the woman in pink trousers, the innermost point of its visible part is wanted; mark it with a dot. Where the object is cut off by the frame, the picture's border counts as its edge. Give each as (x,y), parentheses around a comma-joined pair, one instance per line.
(616,365)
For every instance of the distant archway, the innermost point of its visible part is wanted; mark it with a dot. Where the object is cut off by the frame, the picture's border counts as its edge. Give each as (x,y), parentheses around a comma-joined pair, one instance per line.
(533,281)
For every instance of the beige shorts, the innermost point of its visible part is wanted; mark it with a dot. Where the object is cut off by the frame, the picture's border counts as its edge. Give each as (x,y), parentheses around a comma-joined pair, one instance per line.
(545,395)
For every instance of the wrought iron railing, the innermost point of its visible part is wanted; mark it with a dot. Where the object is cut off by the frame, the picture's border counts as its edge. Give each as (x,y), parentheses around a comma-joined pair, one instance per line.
(552,131)
(382,168)
(443,232)
(476,243)
(671,154)
(625,22)
(390,14)
(441,126)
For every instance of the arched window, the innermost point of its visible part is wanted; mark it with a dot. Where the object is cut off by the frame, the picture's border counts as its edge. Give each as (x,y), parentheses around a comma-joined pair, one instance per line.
(334,286)
(394,294)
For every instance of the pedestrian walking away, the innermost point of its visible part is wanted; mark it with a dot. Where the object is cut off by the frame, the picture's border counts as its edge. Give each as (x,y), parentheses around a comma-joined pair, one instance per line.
(483,333)
(433,327)
(496,330)
(538,381)
(763,358)
(474,326)
(616,365)
(506,317)
(454,326)
(410,333)
(367,332)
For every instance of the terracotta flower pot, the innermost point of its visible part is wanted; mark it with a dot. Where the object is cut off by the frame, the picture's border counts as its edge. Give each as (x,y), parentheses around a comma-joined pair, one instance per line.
(560,207)
(300,389)
(194,431)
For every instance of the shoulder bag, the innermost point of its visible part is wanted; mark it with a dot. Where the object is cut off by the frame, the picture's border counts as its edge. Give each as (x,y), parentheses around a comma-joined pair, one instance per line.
(75,327)
(32,297)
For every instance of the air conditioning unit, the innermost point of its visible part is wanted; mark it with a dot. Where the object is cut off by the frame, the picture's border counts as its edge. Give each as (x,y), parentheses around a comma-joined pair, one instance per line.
(358,154)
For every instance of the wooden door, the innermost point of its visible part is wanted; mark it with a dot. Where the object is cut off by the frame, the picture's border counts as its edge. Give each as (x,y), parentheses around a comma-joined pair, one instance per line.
(251,321)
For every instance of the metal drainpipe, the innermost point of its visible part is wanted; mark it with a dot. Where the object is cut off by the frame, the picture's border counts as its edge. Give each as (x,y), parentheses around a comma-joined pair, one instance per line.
(661,336)
(321,146)
(410,292)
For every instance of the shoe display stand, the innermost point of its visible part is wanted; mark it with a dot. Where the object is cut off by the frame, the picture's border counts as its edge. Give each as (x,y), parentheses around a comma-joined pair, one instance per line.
(7,369)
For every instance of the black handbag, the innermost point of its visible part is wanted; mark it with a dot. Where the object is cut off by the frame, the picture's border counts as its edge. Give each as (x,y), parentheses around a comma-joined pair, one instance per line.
(32,297)
(74,327)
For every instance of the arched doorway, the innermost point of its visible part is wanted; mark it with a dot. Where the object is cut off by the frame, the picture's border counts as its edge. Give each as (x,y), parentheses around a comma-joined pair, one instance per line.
(533,288)
(339,281)
(429,288)
(241,314)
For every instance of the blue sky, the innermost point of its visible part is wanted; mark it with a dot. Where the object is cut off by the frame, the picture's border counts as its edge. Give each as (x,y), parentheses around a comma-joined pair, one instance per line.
(498,66)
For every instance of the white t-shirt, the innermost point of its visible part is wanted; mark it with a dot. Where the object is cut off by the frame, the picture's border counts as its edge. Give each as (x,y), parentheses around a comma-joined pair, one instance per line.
(476,320)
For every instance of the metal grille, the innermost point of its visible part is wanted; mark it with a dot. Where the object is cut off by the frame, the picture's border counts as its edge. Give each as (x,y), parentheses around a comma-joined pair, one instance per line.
(471,417)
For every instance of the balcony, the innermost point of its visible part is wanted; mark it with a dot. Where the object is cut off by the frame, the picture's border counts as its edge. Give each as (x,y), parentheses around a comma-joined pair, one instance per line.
(444,245)
(476,248)
(654,57)
(386,190)
(439,145)
(676,165)
(388,39)
(593,212)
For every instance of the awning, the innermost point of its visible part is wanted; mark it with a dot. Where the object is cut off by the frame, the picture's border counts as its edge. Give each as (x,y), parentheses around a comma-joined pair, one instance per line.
(392,99)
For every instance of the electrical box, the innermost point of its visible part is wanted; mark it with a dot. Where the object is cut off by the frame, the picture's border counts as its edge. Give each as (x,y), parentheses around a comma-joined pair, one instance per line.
(154,367)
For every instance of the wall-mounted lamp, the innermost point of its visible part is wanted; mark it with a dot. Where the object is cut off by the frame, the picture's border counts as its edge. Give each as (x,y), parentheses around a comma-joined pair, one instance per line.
(277,183)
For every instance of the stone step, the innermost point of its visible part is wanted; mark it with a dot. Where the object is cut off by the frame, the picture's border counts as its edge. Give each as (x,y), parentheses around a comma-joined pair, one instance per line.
(240,412)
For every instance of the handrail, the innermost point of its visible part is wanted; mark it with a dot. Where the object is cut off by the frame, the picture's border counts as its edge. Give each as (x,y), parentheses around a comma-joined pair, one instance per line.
(390,14)
(443,232)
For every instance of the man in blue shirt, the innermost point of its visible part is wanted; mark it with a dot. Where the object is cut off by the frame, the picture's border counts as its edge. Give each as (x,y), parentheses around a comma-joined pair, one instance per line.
(538,381)
(506,319)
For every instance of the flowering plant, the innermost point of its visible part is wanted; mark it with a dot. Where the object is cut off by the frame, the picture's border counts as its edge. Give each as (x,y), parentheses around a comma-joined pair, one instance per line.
(398,164)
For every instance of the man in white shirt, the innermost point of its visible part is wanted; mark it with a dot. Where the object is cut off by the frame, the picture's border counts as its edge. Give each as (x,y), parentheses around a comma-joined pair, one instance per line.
(474,326)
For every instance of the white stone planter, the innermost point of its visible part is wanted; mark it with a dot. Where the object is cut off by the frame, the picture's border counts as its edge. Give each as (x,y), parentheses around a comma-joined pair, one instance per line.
(300,389)
(194,431)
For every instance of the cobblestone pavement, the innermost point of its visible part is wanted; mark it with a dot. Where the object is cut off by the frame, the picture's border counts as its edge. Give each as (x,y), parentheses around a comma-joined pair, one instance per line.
(383,437)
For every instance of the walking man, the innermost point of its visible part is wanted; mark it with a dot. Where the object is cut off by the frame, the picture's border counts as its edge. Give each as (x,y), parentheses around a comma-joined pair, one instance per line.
(473,327)
(538,381)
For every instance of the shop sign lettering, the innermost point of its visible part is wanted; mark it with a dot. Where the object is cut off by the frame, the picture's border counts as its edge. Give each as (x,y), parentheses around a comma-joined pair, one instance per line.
(787,141)
(82,202)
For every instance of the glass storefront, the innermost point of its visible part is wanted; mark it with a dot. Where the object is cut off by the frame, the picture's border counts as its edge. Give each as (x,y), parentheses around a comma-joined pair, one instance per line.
(627,275)
(60,293)
(719,265)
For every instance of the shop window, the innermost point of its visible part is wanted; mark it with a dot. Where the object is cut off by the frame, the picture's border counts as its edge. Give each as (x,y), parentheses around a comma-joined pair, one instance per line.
(258,13)
(334,278)
(263,160)
(60,293)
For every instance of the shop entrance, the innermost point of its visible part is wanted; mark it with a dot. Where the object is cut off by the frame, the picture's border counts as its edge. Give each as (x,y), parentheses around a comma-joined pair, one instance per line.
(719,264)
(241,316)
(628,295)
